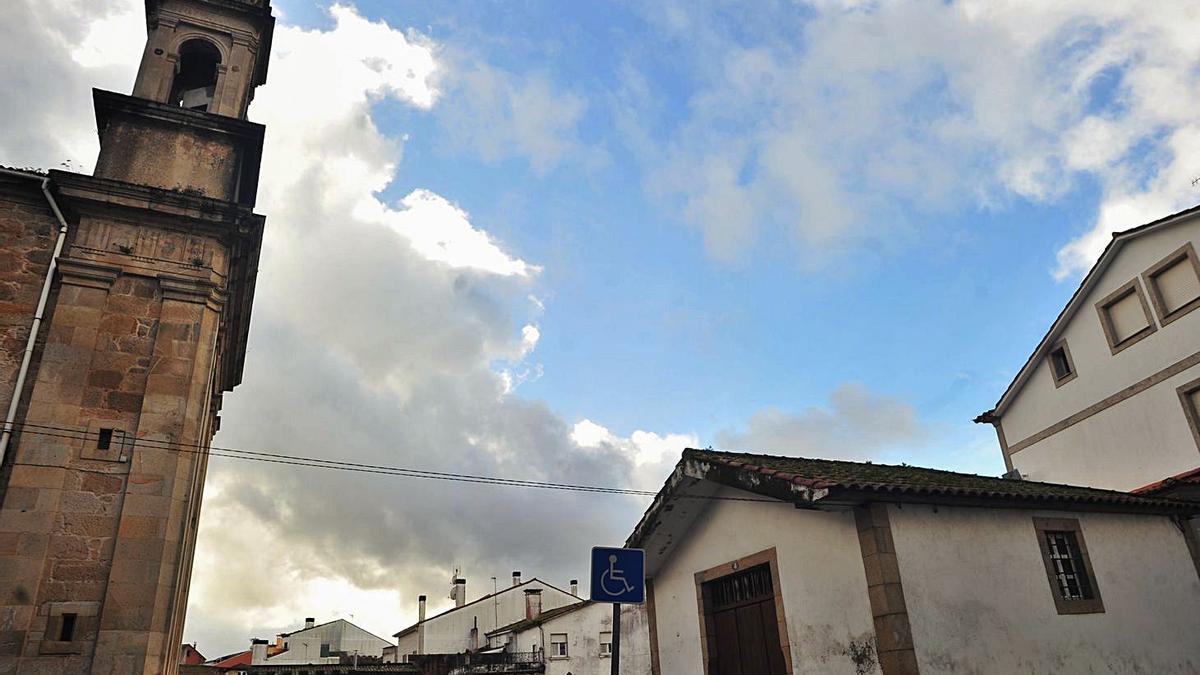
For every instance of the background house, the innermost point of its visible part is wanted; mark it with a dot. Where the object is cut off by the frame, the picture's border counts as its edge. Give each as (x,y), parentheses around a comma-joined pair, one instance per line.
(787,565)
(1111,395)
(464,627)
(577,639)
(319,643)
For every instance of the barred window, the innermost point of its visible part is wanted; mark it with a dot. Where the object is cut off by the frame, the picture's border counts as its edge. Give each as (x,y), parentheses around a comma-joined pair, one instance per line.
(1073,582)
(1068,567)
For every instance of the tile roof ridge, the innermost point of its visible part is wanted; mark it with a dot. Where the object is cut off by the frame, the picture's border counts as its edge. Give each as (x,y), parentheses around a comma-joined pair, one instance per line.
(820,482)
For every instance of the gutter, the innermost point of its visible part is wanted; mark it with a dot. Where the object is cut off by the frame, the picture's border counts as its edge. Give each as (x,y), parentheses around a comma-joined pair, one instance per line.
(38,313)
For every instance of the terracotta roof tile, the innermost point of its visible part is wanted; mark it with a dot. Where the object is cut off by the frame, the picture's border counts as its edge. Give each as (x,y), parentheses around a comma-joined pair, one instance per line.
(885,479)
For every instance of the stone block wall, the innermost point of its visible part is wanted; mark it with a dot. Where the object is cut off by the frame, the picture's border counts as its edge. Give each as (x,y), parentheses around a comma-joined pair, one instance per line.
(96,537)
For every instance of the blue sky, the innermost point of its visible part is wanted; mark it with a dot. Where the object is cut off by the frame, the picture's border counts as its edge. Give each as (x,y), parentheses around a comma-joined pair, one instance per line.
(643,329)
(561,241)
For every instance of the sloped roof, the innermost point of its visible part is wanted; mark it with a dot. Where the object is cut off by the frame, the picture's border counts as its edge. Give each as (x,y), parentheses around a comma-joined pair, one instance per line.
(887,480)
(547,615)
(241,658)
(502,591)
(320,625)
(1188,481)
(833,484)
(1085,287)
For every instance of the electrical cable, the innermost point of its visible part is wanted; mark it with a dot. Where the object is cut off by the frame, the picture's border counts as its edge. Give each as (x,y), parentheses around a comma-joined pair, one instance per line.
(357,467)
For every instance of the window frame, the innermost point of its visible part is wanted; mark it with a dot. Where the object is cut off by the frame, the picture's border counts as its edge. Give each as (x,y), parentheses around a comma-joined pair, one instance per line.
(1185,392)
(605,654)
(1102,309)
(1184,253)
(1092,605)
(1060,381)
(566,650)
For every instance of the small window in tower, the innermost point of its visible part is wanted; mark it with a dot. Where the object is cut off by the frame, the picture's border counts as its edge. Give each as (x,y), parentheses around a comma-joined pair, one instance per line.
(66,631)
(104,441)
(196,75)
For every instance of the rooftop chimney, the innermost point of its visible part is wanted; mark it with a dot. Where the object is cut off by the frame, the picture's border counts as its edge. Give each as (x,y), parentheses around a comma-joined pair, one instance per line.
(533,603)
(575,587)
(420,608)
(258,651)
(460,592)
(517,578)
(309,623)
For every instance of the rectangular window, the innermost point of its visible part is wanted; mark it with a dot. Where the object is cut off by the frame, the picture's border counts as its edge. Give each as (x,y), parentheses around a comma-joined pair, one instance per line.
(1061,365)
(558,645)
(1125,316)
(66,631)
(1068,567)
(324,649)
(105,439)
(1189,396)
(605,643)
(1174,284)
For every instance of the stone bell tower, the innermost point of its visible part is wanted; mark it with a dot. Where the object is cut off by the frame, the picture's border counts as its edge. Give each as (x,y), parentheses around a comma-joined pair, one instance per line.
(148,289)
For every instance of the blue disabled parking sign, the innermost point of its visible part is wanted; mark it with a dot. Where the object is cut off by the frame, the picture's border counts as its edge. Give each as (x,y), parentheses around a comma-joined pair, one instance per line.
(618,575)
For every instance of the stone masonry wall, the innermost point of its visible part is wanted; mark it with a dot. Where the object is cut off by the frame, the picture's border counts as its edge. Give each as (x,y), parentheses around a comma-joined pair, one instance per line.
(104,534)
(28,231)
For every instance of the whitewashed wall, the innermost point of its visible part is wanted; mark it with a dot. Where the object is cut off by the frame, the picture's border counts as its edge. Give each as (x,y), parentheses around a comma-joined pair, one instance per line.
(583,628)
(450,633)
(821,570)
(979,600)
(1139,441)
(305,646)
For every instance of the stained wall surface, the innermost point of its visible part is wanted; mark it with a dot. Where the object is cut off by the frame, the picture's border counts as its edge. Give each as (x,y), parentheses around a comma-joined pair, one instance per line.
(979,599)
(824,590)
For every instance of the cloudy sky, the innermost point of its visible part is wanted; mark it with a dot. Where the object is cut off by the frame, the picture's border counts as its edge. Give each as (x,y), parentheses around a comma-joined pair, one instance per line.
(562,241)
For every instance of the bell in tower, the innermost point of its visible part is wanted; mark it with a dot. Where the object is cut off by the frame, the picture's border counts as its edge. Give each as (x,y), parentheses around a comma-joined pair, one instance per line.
(130,322)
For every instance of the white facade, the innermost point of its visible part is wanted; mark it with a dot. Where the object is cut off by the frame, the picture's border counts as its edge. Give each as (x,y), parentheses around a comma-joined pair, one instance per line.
(979,600)
(319,644)
(824,592)
(863,586)
(581,630)
(461,629)
(1120,421)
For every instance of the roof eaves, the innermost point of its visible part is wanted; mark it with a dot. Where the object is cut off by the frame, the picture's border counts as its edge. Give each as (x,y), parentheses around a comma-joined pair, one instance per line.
(1085,286)
(855,491)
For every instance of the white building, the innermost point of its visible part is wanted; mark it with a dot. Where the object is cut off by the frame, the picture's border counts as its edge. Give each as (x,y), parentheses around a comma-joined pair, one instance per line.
(1111,395)
(464,627)
(577,639)
(316,644)
(785,565)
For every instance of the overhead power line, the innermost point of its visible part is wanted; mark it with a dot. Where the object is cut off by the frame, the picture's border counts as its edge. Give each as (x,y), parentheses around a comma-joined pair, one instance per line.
(355,467)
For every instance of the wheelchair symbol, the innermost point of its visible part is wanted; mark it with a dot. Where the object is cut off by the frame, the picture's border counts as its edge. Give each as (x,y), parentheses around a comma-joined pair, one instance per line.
(612,576)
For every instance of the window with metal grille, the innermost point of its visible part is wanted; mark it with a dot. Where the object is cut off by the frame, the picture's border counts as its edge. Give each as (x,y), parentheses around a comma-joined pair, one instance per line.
(605,643)
(747,586)
(1073,582)
(1068,568)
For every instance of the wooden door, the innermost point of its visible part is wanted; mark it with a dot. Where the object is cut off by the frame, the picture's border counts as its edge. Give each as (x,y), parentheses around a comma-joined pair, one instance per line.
(742,628)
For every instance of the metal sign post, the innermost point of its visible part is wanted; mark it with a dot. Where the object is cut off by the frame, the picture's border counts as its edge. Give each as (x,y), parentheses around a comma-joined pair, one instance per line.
(616,639)
(618,577)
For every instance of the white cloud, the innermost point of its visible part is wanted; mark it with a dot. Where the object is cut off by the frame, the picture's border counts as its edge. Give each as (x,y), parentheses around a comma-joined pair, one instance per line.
(856,425)
(441,231)
(831,128)
(500,114)
(652,454)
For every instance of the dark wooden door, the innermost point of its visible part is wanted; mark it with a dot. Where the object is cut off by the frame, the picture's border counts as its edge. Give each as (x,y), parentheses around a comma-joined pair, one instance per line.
(741,624)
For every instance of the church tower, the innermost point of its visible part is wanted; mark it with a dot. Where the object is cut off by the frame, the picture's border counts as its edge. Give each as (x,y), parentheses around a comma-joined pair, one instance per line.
(113,378)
